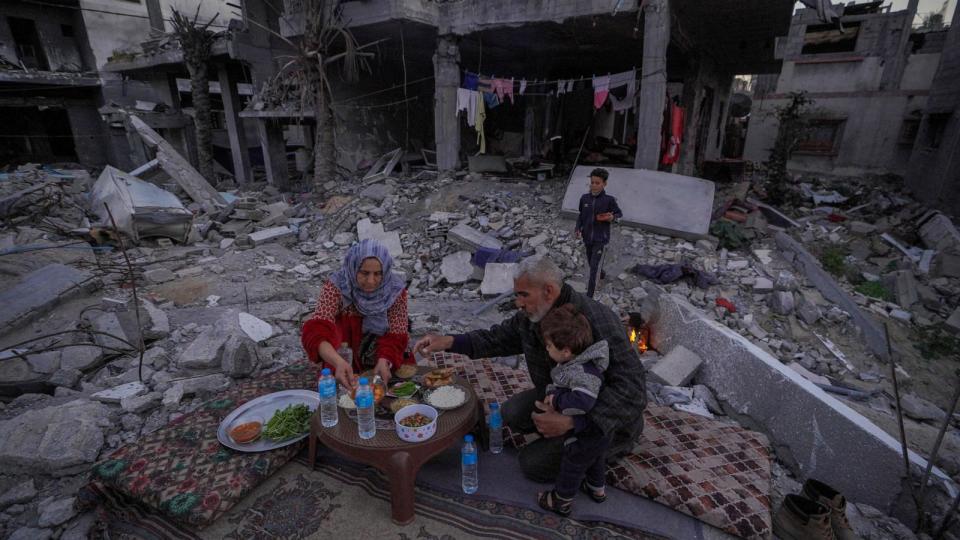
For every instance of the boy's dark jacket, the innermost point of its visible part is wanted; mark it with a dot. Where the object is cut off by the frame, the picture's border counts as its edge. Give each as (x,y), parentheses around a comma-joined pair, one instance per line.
(591,230)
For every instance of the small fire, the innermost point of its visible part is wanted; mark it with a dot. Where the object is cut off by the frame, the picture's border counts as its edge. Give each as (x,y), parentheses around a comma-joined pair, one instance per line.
(640,338)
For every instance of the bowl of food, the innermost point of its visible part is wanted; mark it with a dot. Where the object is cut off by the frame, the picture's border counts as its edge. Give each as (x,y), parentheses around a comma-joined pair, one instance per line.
(406,371)
(246,429)
(405,389)
(416,423)
(438,377)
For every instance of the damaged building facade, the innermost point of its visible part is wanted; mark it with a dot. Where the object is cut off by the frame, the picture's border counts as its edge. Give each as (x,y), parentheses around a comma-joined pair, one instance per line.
(870,79)
(49,87)
(582,81)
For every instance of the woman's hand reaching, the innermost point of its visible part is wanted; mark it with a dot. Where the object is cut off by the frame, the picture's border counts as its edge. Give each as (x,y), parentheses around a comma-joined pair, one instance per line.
(345,377)
(383,370)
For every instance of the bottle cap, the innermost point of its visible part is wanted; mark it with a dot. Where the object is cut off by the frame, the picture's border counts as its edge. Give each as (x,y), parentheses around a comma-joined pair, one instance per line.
(494,405)
(363,380)
(468,438)
(325,371)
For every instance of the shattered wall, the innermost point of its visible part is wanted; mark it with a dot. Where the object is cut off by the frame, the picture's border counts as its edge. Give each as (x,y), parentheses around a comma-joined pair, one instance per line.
(60,32)
(874,116)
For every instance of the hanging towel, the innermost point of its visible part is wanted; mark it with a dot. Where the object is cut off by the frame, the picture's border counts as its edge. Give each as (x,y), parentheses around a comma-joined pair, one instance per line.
(481,117)
(470,81)
(505,88)
(672,154)
(601,88)
(561,87)
(523,86)
(491,99)
(467,101)
(570,85)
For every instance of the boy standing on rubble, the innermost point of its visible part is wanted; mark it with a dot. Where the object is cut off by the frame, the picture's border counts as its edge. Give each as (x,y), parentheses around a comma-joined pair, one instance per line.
(597,211)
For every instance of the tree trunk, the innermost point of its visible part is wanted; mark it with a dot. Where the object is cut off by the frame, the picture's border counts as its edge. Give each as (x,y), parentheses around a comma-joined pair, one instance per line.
(200,90)
(324,150)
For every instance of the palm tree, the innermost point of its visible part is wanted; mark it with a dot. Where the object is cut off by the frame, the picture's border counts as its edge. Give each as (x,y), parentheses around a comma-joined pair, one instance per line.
(326,41)
(196,41)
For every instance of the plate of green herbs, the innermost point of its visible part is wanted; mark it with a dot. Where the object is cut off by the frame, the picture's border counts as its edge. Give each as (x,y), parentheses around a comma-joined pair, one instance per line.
(287,420)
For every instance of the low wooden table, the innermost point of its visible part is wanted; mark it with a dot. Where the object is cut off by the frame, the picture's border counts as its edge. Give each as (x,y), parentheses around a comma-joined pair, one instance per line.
(398,459)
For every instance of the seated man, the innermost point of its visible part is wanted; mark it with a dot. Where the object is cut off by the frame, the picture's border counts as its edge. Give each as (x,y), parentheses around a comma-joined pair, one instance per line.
(618,412)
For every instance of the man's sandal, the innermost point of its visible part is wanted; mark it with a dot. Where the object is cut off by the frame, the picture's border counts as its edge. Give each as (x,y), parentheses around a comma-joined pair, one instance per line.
(549,500)
(597,495)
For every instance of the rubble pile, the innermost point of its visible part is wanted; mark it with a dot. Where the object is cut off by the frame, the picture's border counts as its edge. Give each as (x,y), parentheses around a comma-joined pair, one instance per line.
(224,296)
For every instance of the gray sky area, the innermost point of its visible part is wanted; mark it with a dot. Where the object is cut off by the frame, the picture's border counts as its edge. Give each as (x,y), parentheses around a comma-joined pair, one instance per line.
(925,6)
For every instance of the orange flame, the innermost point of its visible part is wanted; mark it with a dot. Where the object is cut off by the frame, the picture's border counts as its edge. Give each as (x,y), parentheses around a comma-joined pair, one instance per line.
(640,339)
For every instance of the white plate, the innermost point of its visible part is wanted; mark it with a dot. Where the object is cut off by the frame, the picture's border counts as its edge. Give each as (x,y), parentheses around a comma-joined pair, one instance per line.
(263,409)
(428,393)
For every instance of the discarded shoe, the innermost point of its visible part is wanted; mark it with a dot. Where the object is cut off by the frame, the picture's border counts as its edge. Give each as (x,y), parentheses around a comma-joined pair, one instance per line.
(800,518)
(816,490)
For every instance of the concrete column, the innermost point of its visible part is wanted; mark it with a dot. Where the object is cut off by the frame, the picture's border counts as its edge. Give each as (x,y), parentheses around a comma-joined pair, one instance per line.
(274,149)
(446,69)
(653,83)
(235,132)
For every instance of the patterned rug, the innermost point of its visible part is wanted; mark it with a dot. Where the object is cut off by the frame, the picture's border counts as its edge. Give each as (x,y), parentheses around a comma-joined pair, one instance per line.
(341,500)
(182,471)
(709,470)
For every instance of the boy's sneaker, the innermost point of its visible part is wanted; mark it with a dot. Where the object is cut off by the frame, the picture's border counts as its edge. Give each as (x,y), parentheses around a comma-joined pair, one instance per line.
(800,518)
(837,503)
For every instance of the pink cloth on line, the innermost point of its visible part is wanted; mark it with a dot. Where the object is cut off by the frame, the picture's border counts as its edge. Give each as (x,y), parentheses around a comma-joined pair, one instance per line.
(601,88)
(503,87)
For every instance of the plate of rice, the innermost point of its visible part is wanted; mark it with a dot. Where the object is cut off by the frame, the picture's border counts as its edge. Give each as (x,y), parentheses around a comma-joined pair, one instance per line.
(446,397)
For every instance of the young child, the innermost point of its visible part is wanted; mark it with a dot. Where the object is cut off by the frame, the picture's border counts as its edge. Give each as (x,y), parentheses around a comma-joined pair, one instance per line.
(597,211)
(576,381)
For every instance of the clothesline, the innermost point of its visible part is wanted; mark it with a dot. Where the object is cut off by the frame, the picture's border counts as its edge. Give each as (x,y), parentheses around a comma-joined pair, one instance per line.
(530,82)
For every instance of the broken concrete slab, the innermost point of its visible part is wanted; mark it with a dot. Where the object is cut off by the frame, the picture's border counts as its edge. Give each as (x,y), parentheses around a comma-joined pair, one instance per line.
(178,167)
(255,328)
(47,362)
(953,322)
(819,435)
(677,368)
(471,239)
(119,393)
(16,370)
(456,267)
(53,440)
(20,493)
(206,384)
(368,230)
(141,404)
(938,232)
(920,409)
(498,278)
(904,287)
(666,203)
(781,302)
(808,311)
(239,356)
(159,275)
(65,378)
(270,235)
(156,325)
(57,513)
(41,290)
(173,395)
(111,334)
(204,351)
(873,334)
(81,357)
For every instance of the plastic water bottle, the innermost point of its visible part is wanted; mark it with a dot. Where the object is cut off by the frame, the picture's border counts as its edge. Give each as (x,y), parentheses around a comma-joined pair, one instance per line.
(346,352)
(364,400)
(468,466)
(496,429)
(328,399)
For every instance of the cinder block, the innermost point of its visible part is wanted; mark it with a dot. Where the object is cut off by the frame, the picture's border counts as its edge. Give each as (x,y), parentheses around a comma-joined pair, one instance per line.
(677,368)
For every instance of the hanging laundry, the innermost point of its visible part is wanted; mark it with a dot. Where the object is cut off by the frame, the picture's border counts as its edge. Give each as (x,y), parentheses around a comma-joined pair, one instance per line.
(504,88)
(470,81)
(467,101)
(561,87)
(601,89)
(491,99)
(624,78)
(485,85)
(570,85)
(481,117)
(523,86)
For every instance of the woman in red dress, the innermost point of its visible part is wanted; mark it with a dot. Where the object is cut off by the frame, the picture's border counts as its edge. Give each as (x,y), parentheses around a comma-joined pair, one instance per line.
(365,305)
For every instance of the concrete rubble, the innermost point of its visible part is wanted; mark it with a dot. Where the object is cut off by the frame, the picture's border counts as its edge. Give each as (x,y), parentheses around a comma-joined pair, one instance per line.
(228,303)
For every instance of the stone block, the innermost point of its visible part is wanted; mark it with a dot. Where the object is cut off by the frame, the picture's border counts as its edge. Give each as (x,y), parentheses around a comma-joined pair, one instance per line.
(81,357)
(207,384)
(861,228)
(938,232)
(39,291)
(472,239)
(159,275)
(54,440)
(16,370)
(47,362)
(904,287)
(20,493)
(173,395)
(677,368)
(953,322)
(141,404)
(109,323)
(270,235)
(156,325)
(239,357)
(498,278)
(781,302)
(663,202)
(762,284)
(456,267)
(57,512)
(254,328)
(920,409)
(65,378)
(808,311)
(118,393)
(204,351)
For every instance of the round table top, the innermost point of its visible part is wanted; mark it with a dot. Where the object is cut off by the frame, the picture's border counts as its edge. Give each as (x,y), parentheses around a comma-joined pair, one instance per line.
(449,422)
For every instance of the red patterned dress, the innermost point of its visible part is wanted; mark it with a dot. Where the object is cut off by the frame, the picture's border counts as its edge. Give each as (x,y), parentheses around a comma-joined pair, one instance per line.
(335,324)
